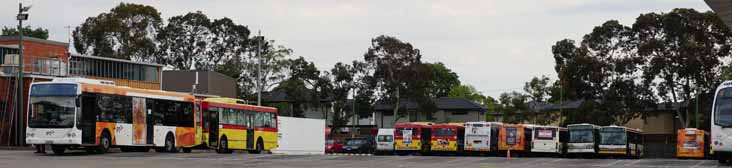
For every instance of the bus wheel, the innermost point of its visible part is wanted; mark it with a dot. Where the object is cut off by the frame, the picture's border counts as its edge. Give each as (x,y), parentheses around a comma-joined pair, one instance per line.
(187,150)
(170,144)
(105,143)
(223,146)
(58,150)
(260,146)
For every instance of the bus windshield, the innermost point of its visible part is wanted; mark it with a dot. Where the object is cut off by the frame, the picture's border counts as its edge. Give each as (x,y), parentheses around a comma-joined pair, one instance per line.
(612,136)
(580,135)
(723,108)
(444,132)
(52,112)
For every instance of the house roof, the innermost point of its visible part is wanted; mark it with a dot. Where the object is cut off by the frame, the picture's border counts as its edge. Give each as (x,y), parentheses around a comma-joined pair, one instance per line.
(443,103)
(280,96)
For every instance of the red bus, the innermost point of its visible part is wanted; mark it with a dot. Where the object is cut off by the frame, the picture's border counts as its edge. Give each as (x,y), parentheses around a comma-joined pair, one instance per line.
(448,137)
(412,137)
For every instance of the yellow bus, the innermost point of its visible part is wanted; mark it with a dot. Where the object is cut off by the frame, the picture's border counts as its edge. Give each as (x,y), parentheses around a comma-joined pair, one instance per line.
(230,124)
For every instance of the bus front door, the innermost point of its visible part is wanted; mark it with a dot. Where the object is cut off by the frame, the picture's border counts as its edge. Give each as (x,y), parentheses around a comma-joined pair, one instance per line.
(213,125)
(250,131)
(88,119)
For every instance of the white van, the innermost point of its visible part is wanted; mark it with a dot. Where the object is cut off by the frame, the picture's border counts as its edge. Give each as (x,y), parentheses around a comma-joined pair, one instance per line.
(385,141)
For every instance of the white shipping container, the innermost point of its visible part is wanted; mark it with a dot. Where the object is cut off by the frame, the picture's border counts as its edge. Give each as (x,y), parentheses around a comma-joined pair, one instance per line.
(300,136)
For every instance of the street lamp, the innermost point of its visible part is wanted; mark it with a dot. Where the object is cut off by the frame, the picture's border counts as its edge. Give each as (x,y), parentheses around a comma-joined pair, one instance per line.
(22,15)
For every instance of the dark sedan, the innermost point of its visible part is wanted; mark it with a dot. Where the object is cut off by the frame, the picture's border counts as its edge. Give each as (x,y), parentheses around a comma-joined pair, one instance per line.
(358,145)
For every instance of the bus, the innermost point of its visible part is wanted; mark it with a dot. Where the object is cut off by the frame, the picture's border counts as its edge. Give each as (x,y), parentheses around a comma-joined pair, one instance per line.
(74,113)
(412,138)
(447,138)
(481,137)
(230,124)
(692,143)
(721,125)
(515,138)
(583,139)
(548,140)
(620,141)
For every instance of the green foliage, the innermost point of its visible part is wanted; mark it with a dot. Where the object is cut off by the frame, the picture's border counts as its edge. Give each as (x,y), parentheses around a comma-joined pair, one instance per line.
(514,107)
(443,79)
(399,73)
(538,88)
(667,57)
(127,32)
(40,33)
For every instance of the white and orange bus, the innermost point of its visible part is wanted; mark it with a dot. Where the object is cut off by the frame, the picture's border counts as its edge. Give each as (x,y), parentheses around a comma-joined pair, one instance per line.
(88,114)
(231,124)
(692,143)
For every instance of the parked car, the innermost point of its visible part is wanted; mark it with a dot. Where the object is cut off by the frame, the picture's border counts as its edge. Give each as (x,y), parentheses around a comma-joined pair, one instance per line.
(385,141)
(359,145)
(333,146)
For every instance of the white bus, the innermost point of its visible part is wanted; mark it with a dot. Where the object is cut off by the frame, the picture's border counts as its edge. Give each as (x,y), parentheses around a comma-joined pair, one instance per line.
(583,139)
(91,115)
(548,139)
(721,129)
(481,137)
(620,141)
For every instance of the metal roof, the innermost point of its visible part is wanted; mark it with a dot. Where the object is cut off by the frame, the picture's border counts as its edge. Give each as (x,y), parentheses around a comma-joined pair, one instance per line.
(116,60)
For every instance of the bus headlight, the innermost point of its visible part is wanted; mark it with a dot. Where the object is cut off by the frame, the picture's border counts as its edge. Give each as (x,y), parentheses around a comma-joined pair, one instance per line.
(73,134)
(29,134)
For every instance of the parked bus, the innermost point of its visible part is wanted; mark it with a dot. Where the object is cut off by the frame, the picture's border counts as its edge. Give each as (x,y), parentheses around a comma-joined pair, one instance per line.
(721,129)
(481,137)
(583,139)
(447,138)
(548,140)
(515,138)
(412,138)
(230,124)
(692,143)
(621,141)
(93,115)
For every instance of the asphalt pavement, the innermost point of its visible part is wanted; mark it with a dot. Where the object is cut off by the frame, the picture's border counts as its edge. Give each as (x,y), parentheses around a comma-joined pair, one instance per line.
(209,159)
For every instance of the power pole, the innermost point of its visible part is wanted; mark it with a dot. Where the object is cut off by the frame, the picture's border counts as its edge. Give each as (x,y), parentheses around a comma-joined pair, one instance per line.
(259,69)
(19,97)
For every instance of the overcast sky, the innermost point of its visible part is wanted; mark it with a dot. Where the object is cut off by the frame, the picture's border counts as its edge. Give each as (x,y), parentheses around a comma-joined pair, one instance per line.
(494,45)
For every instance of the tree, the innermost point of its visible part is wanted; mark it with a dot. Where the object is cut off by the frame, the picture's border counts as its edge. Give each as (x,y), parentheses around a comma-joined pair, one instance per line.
(537,88)
(127,32)
(443,79)
(398,71)
(684,49)
(514,107)
(186,41)
(40,33)
(300,85)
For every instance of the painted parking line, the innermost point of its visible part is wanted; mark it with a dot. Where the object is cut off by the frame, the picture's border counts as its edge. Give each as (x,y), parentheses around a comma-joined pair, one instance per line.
(632,163)
(610,164)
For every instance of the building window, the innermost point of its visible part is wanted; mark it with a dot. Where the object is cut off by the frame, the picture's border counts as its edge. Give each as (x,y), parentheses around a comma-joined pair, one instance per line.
(459,112)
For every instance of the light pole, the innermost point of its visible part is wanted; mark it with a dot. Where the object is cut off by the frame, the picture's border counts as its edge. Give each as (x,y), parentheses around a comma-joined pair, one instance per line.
(22,15)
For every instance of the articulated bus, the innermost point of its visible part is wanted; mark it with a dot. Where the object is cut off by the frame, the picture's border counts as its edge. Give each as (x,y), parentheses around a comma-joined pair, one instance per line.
(89,114)
(721,129)
(412,138)
(548,139)
(481,137)
(692,143)
(447,138)
(620,141)
(230,124)
(515,138)
(583,139)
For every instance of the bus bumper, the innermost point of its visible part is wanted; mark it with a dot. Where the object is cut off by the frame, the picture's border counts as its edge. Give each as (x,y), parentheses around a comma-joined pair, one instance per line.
(53,137)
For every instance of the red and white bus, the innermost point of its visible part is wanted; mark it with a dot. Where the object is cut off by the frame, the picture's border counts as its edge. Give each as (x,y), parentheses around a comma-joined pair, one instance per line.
(231,124)
(89,114)
(412,137)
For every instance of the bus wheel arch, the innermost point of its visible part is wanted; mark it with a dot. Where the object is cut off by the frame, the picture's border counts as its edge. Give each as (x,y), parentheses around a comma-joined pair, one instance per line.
(170,143)
(223,146)
(105,141)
